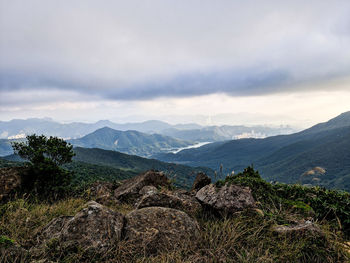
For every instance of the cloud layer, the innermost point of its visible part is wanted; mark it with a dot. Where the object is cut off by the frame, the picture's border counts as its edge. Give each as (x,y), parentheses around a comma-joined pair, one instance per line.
(137,50)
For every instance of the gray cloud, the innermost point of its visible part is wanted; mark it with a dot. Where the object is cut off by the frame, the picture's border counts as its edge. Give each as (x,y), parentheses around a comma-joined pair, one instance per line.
(144,49)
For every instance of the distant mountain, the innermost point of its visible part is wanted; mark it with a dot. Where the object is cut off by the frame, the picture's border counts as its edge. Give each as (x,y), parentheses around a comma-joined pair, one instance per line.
(191,132)
(285,158)
(20,128)
(5,147)
(226,132)
(131,142)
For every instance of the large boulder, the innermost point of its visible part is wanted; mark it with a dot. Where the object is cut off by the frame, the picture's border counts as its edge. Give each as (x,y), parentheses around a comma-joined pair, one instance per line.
(10,180)
(227,199)
(201,180)
(129,191)
(95,227)
(155,229)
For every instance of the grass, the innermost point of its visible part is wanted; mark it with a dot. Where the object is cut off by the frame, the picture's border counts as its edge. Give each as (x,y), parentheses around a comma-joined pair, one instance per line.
(247,236)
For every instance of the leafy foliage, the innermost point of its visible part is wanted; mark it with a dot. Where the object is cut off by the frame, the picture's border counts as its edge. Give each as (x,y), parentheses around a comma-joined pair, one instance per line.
(45,156)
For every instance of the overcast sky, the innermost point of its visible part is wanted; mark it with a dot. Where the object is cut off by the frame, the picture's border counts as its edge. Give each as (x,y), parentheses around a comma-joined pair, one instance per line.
(224,61)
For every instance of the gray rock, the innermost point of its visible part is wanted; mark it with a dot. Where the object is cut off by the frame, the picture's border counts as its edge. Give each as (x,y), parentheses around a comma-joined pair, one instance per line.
(95,227)
(179,201)
(129,191)
(303,228)
(148,189)
(155,229)
(226,200)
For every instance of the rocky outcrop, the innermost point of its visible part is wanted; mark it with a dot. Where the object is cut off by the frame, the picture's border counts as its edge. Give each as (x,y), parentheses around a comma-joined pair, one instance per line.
(129,191)
(226,199)
(201,180)
(102,192)
(10,180)
(95,227)
(155,229)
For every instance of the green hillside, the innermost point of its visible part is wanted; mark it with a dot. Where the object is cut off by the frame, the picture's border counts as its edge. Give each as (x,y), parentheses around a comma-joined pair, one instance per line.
(183,175)
(130,142)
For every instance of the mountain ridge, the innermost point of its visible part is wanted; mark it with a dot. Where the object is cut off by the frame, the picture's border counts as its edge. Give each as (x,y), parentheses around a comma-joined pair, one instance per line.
(284,157)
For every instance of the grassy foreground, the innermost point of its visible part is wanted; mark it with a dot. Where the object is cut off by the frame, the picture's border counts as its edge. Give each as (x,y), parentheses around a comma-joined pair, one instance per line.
(247,236)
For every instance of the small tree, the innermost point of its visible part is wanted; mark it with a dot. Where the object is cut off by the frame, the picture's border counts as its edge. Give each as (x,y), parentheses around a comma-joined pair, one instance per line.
(45,156)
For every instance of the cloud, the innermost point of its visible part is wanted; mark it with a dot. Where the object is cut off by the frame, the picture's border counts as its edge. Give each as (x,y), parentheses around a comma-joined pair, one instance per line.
(138,50)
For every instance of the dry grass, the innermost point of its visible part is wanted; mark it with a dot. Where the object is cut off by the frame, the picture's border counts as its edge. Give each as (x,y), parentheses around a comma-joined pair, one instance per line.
(246,237)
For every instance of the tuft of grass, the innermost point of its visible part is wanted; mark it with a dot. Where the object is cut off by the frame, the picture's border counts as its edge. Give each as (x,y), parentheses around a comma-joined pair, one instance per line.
(6,242)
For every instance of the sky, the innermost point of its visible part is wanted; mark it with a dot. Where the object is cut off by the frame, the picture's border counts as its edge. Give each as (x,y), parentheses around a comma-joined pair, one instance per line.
(204,61)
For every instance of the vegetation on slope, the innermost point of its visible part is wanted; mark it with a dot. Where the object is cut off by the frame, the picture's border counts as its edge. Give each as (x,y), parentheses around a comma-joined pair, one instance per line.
(182,175)
(283,158)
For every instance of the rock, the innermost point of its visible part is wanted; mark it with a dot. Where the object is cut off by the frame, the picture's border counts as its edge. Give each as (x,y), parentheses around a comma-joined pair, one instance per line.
(10,180)
(129,191)
(176,200)
(226,200)
(306,227)
(148,189)
(101,188)
(53,228)
(201,180)
(155,229)
(189,201)
(95,227)
(102,192)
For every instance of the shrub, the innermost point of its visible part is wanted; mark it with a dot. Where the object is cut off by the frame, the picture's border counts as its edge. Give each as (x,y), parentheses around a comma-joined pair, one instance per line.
(46,177)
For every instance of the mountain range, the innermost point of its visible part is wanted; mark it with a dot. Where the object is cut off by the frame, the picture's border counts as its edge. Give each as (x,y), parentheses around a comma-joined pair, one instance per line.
(319,155)
(190,132)
(297,157)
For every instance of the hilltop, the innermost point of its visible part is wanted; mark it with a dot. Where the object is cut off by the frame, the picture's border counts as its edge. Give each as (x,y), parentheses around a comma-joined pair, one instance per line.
(145,219)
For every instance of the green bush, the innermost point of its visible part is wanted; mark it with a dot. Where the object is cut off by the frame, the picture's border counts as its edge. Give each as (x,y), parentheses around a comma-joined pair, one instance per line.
(45,176)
